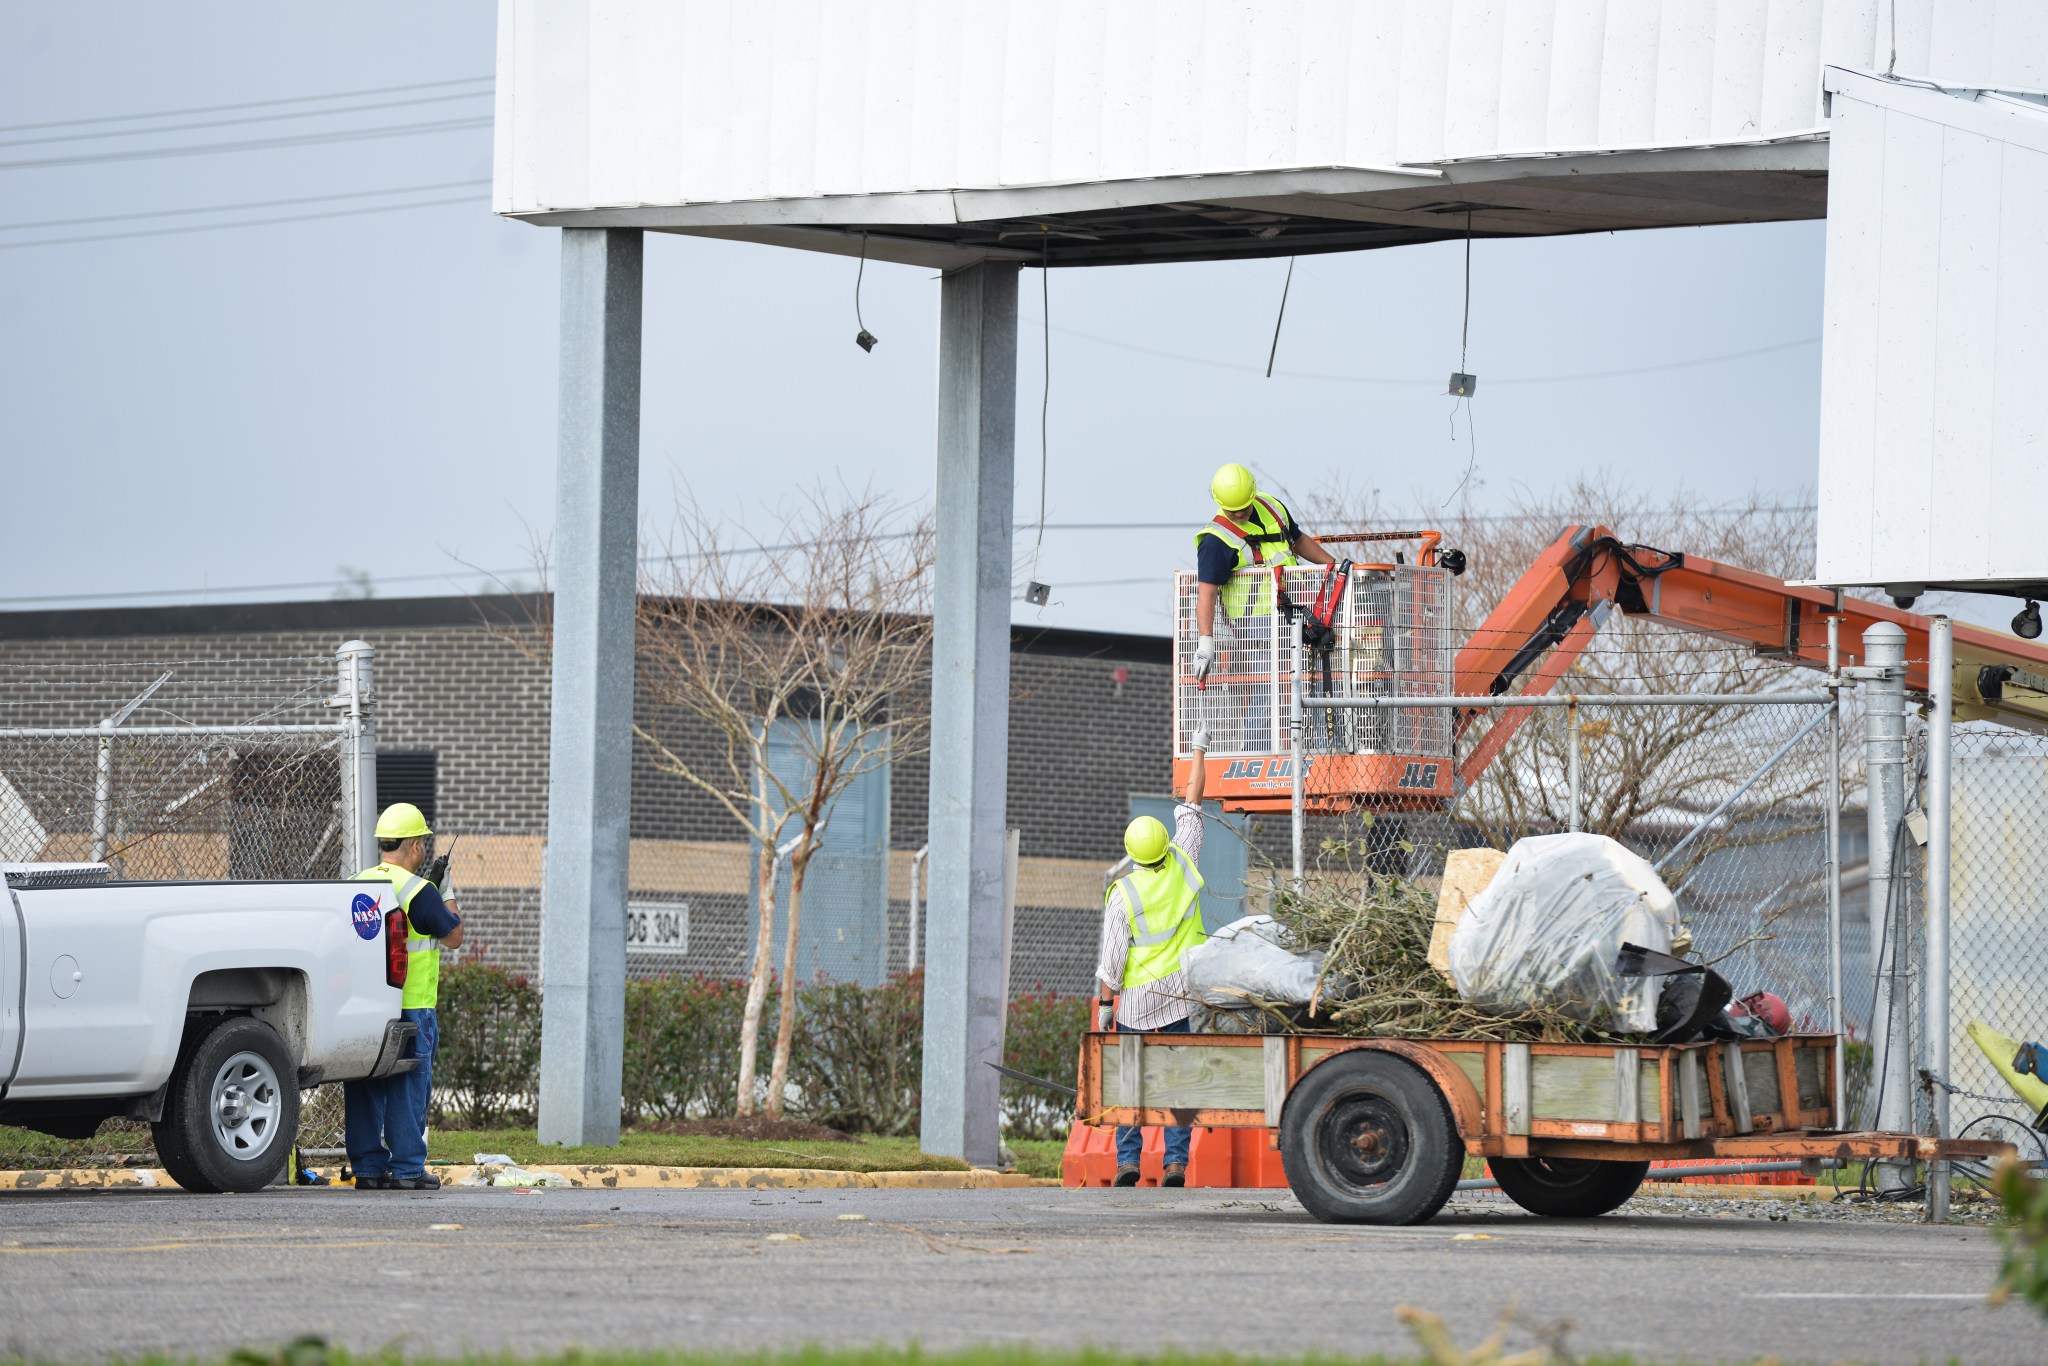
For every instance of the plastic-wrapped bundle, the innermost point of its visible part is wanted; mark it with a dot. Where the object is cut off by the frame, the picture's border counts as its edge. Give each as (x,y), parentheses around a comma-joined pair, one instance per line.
(1546,930)
(1249,958)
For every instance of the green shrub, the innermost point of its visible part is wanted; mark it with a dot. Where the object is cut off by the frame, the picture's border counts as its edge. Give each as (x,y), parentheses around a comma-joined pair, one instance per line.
(856,1062)
(682,1050)
(2025,1272)
(857,1058)
(1043,1038)
(487,1070)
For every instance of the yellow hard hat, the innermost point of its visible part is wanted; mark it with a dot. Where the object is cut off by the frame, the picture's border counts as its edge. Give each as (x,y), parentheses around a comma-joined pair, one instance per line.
(1145,840)
(1233,488)
(402,821)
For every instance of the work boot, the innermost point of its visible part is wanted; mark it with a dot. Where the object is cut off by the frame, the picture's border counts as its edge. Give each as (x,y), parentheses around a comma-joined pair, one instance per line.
(425,1181)
(373,1183)
(1176,1174)
(1125,1176)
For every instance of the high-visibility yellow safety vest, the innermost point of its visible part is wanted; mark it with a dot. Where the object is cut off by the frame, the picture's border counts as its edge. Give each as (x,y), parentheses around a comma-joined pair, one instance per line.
(423,965)
(1260,540)
(1164,906)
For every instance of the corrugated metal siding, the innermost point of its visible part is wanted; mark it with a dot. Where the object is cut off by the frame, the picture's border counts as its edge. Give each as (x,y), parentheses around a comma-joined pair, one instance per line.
(626,102)
(1934,416)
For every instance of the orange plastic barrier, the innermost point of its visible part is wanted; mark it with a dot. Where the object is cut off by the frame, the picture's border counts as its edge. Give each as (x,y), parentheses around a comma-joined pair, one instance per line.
(1217,1158)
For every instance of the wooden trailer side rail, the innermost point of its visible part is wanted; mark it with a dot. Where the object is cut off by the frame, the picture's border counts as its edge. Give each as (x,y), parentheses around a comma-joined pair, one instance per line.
(1505,1097)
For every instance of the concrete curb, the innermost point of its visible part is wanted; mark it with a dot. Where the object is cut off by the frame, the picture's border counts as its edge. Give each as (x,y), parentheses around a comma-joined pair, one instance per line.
(607,1177)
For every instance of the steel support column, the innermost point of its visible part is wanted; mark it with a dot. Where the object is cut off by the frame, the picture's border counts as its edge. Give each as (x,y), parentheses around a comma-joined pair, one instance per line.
(1884,712)
(970,736)
(583,885)
(1941,670)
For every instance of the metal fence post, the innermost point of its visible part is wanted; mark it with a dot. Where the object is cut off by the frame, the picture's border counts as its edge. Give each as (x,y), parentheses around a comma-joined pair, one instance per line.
(1572,780)
(1884,693)
(356,663)
(1941,663)
(1296,723)
(1834,788)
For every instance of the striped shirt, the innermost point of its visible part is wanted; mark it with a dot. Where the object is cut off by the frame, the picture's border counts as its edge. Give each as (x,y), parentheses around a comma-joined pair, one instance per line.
(1155,1003)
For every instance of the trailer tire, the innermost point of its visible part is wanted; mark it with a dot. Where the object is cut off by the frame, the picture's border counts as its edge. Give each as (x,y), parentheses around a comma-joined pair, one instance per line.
(1367,1138)
(232,1109)
(1567,1187)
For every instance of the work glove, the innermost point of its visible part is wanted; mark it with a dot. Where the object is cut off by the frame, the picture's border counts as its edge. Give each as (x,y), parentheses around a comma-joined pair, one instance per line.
(2029,1060)
(1205,655)
(1199,741)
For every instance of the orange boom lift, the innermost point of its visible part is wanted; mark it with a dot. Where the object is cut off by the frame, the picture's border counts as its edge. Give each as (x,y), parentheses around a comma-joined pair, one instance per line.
(1392,640)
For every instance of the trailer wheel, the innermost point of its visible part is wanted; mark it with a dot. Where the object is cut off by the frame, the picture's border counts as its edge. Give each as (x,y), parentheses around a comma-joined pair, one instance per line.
(232,1109)
(1367,1138)
(1567,1187)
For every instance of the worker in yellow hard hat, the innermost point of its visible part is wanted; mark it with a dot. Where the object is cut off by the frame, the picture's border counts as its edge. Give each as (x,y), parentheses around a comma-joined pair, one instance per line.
(1150,918)
(1250,530)
(385,1118)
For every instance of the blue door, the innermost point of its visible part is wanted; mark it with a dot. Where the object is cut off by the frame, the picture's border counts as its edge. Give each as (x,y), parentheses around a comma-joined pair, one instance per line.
(844,930)
(1225,856)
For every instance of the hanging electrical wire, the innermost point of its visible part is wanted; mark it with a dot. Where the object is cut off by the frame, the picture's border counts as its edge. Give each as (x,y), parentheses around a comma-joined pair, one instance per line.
(1285,285)
(864,339)
(1463,384)
(1036,593)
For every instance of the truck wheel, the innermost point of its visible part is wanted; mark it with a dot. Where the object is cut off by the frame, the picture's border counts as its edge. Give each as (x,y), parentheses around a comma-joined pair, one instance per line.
(1367,1138)
(1567,1187)
(230,1114)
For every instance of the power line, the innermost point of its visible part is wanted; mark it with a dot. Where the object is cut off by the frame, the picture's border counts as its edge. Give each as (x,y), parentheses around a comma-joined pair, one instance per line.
(250,204)
(396,130)
(243,223)
(251,118)
(737,550)
(1329,378)
(245,104)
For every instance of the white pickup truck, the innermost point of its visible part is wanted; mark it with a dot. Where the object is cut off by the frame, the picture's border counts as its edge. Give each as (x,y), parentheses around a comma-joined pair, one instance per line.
(201,1007)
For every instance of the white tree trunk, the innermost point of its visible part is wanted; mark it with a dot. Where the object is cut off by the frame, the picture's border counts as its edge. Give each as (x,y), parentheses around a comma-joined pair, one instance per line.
(757,985)
(785,1024)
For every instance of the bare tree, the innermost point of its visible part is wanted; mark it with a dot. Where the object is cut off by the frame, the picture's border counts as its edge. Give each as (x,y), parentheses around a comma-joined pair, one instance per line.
(1636,766)
(818,646)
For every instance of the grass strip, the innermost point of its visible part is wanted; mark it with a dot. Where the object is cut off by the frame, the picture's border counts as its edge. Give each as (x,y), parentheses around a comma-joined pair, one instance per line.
(314,1352)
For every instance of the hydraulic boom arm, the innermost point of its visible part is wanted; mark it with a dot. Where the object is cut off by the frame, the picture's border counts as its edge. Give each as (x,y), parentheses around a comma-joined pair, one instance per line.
(1548,618)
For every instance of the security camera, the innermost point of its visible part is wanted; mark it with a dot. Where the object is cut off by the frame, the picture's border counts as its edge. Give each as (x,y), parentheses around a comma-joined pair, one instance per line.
(2027,625)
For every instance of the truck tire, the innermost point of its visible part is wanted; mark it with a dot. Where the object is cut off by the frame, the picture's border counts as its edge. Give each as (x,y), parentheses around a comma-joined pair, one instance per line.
(1367,1138)
(232,1109)
(1567,1187)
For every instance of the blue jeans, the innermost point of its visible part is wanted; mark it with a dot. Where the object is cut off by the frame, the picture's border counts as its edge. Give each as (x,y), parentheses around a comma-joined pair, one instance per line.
(1130,1140)
(386,1117)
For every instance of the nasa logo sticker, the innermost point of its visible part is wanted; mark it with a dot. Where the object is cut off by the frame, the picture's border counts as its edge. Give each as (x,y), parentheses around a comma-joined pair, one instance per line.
(364,913)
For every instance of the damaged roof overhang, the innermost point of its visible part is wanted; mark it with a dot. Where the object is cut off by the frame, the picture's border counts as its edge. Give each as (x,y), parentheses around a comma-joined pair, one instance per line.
(1251,214)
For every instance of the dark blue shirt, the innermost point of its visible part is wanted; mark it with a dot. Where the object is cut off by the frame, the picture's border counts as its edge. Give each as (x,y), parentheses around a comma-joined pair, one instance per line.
(429,914)
(1215,560)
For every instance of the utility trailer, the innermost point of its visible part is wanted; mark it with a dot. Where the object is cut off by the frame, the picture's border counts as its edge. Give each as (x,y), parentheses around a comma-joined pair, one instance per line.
(1376,1131)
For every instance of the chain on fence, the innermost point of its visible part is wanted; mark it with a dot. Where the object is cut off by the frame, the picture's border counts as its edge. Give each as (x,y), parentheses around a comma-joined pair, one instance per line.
(130,766)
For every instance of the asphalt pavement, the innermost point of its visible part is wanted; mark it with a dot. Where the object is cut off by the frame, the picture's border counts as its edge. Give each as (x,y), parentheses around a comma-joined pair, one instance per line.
(88,1275)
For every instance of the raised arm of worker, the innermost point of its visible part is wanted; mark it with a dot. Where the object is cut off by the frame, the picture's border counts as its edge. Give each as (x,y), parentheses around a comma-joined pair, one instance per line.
(1198,771)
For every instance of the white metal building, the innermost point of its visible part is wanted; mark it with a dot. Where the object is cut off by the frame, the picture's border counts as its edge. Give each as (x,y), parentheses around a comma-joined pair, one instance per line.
(1934,417)
(978,136)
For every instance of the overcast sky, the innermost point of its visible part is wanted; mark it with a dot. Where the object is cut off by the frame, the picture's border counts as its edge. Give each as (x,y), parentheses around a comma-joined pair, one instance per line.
(239,413)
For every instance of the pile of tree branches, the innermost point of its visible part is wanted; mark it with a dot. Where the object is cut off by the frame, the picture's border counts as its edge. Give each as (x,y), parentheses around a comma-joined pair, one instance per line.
(1373,930)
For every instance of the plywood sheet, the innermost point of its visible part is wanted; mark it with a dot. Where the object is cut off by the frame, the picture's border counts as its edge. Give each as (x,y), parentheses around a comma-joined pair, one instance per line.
(1466,873)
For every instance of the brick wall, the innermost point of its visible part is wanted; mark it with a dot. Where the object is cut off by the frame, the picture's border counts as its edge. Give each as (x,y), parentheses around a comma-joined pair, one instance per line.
(465,679)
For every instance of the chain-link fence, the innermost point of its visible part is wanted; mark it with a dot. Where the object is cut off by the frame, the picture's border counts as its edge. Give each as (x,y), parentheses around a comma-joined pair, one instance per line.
(204,768)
